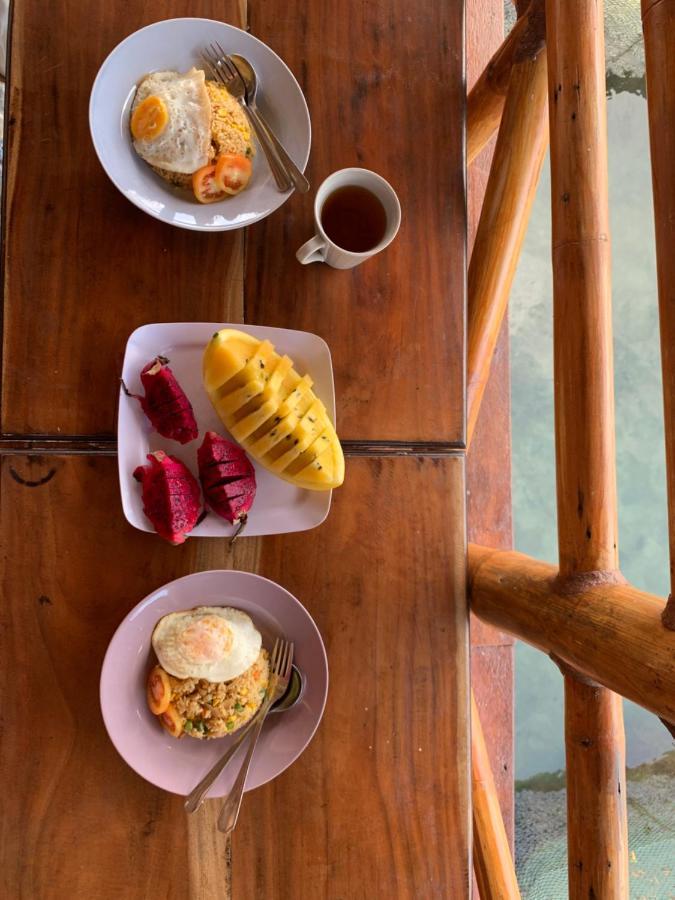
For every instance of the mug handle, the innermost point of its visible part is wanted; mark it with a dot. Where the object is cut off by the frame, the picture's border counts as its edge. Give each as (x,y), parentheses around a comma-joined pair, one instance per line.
(313,251)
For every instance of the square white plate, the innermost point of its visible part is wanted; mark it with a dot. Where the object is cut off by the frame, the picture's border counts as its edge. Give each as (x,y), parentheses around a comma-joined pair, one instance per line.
(279,507)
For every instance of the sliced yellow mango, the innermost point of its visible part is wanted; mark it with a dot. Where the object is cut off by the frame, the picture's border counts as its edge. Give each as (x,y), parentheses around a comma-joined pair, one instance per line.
(272,411)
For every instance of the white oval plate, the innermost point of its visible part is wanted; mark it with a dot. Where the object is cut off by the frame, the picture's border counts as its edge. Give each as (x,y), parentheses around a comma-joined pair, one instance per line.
(176,44)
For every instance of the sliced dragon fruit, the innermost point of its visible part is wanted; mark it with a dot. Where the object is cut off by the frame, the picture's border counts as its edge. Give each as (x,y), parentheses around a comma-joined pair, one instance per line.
(165,403)
(228,479)
(171,496)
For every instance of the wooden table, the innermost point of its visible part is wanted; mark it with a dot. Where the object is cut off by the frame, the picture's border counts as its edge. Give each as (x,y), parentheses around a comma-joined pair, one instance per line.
(378,805)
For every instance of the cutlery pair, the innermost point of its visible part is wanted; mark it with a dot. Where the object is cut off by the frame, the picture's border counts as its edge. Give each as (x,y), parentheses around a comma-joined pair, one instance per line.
(239,77)
(281,669)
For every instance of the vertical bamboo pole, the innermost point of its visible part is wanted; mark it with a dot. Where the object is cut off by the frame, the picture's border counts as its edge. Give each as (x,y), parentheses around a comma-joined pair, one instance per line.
(584,421)
(658,23)
(516,165)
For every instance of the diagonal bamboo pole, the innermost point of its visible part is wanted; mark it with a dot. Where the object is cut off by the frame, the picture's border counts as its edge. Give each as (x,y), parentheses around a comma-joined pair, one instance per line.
(492,860)
(486,100)
(584,420)
(658,23)
(516,166)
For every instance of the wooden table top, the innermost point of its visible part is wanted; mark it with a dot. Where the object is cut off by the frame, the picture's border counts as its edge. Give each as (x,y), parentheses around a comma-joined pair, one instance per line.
(378,805)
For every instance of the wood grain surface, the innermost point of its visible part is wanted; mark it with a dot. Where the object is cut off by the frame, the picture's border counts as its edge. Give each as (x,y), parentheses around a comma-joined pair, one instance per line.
(377,806)
(83,267)
(382,790)
(392,100)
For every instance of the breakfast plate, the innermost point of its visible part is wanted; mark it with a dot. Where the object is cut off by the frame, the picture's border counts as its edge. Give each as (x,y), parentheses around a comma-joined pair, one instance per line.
(176,765)
(175,45)
(279,506)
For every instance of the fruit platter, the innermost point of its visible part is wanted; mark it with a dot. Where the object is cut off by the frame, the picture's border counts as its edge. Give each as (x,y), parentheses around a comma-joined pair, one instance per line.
(226,430)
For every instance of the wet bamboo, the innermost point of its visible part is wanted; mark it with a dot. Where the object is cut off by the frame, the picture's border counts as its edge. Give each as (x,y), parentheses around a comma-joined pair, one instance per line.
(516,165)
(658,23)
(606,629)
(584,422)
(492,860)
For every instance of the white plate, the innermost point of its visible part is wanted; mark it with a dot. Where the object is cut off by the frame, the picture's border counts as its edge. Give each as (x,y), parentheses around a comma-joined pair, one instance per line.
(175,44)
(279,507)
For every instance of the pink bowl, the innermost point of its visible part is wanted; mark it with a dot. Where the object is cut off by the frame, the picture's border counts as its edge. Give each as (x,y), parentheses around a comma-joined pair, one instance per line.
(177,765)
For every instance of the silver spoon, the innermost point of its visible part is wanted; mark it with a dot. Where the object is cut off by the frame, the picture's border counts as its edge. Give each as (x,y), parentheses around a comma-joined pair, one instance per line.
(250,79)
(293,693)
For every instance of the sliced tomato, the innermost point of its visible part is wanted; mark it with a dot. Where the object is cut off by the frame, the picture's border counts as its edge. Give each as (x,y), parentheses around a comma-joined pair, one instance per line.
(171,721)
(149,119)
(158,691)
(233,173)
(204,185)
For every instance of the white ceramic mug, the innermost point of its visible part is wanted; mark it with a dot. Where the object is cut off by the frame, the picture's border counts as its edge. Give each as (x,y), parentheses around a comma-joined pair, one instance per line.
(320,248)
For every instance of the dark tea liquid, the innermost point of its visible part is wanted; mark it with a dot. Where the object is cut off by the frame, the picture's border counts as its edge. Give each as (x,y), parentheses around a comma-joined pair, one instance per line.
(354,219)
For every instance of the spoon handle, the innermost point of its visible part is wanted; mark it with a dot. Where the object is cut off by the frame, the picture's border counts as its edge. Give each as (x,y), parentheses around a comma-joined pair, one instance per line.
(277,168)
(196,797)
(300,183)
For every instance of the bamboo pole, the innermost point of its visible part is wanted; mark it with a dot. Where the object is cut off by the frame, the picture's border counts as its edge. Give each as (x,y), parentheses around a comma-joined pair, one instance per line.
(516,166)
(487,97)
(600,626)
(514,174)
(584,417)
(658,24)
(492,861)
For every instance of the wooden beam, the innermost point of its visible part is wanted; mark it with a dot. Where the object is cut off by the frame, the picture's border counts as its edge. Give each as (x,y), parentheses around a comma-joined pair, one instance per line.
(597,837)
(658,24)
(516,165)
(606,629)
(492,861)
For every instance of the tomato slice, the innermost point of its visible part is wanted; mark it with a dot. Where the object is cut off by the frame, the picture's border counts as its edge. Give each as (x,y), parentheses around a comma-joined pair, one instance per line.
(233,173)
(204,185)
(171,721)
(149,119)
(158,691)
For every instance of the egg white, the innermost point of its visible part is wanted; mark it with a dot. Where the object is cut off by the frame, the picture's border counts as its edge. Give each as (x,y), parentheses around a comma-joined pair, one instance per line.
(216,643)
(183,146)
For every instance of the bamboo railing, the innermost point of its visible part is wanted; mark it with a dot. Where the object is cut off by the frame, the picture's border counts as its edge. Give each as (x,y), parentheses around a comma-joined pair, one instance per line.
(515,170)
(607,637)
(658,23)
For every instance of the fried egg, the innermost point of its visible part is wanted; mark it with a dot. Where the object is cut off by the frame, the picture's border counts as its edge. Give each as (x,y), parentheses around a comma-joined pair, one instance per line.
(216,643)
(171,121)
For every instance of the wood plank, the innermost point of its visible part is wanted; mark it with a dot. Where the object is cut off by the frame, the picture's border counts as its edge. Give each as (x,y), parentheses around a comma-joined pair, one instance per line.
(391,100)
(82,266)
(378,804)
(369,808)
(78,822)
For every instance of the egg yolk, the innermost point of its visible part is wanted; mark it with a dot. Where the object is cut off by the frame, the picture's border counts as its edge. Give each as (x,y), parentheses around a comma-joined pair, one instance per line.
(149,119)
(207,640)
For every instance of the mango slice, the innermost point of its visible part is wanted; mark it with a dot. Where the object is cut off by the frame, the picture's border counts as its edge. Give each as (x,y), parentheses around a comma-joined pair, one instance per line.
(272,411)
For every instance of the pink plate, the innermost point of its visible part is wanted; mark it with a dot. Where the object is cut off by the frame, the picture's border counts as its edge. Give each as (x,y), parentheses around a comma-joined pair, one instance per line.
(177,765)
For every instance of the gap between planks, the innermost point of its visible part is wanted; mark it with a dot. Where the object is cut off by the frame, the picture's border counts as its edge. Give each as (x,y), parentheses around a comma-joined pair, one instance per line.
(91,445)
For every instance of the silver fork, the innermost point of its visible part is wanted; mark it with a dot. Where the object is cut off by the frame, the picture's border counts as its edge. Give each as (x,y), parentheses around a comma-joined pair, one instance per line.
(280,672)
(224,71)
